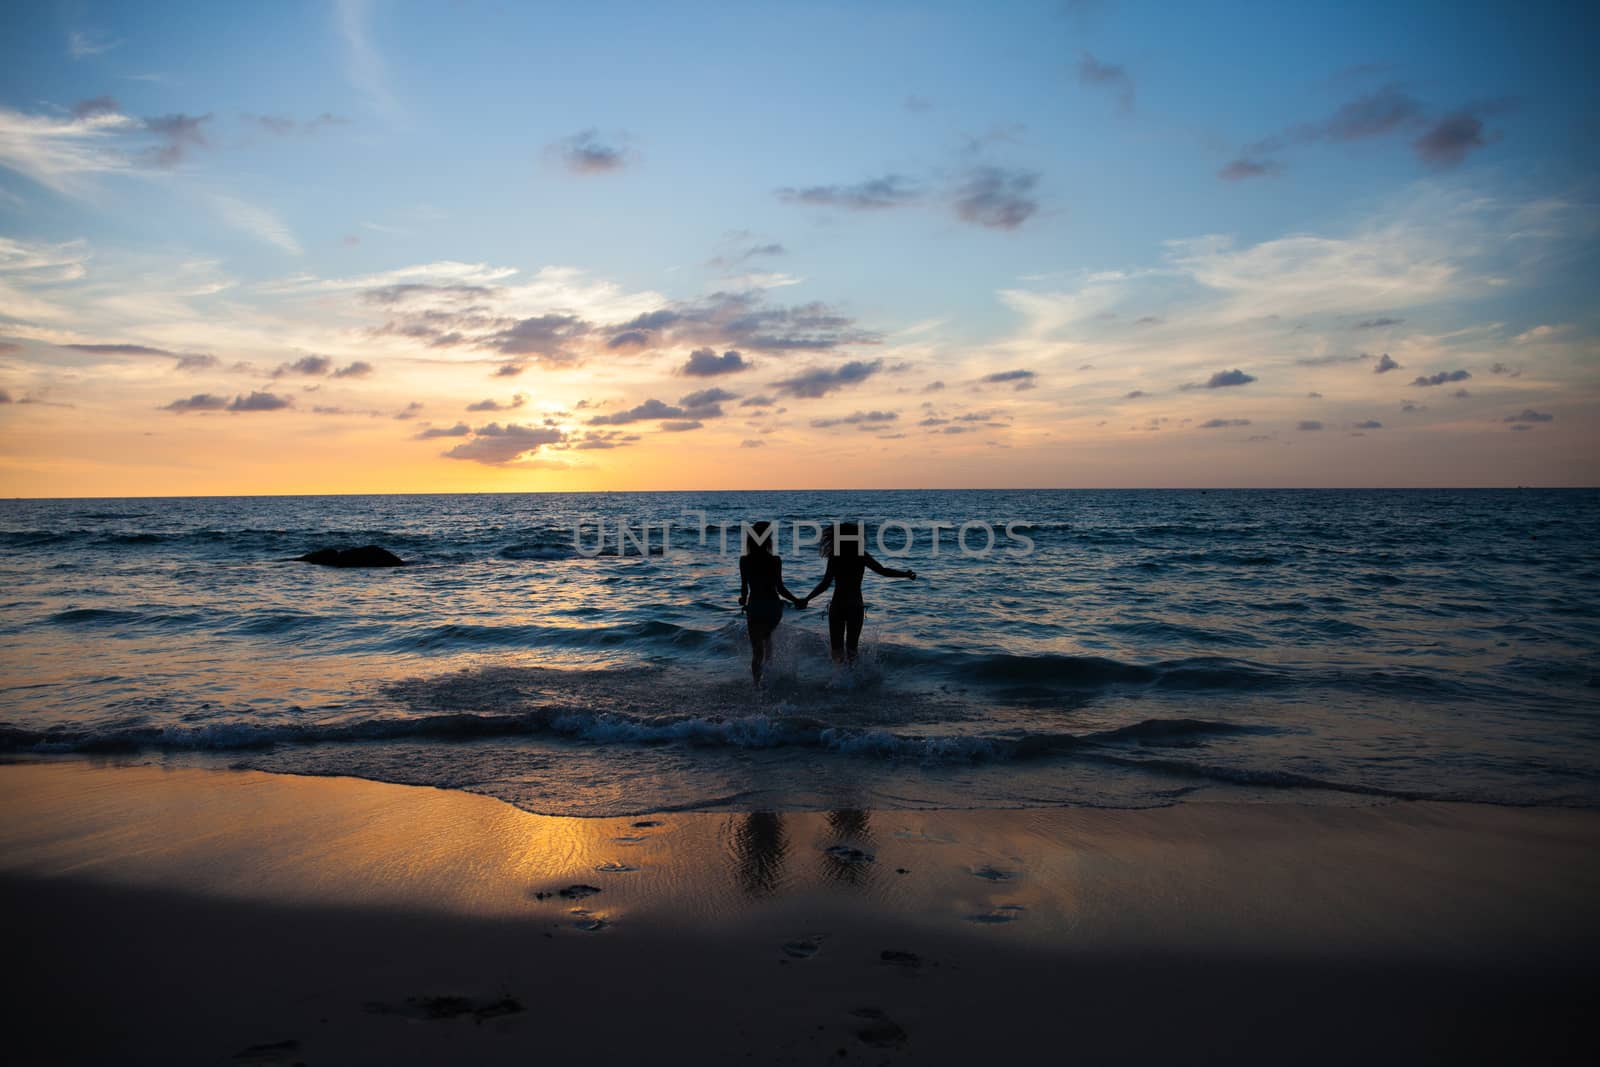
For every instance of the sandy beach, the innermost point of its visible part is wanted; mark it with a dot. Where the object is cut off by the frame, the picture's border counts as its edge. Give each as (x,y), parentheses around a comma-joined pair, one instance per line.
(192,916)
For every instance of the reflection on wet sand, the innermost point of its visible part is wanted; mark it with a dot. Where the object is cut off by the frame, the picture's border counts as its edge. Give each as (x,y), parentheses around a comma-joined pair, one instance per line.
(759,847)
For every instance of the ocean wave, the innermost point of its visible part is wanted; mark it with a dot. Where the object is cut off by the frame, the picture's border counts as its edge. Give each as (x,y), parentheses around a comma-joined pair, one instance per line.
(759,731)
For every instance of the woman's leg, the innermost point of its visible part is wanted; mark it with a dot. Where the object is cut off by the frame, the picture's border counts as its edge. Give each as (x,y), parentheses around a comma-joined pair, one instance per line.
(836,633)
(853,631)
(758,653)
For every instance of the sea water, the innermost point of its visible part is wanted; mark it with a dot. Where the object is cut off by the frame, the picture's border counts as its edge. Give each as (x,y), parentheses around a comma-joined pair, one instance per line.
(1147,648)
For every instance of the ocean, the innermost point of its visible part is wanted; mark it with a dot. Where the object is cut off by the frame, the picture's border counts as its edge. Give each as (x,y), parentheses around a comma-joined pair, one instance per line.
(1111,648)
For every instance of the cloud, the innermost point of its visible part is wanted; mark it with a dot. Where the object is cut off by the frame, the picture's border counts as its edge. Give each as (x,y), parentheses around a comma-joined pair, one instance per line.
(120,350)
(820,381)
(184,361)
(997,198)
(460,429)
(1242,169)
(283,126)
(599,439)
(1529,415)
(875,194)
(650,409)
(1019,379)
(1375,324)
(1449,140)
(410,411)
(1092,72)
(357,369)
(696,405)
(1309,424)
(758,402)
(706,403)
(546,337)
(705,363)
(256,221)
(1222,380)
(364,66)
(741,321)
(1331,360)
(1442,377)
(1502,369)
(82,45)
(306,366)
(733,259)
(258,401)
(863,419)
(98,105)
(1371,115)
(585,153)
(1385,364)
(495,445)
(933,386)
(1395,265)
(682,426)
(1370,424)
(58,153)
(1219,424)
(1134,394)
(178,133)
(494,405)
(751,443)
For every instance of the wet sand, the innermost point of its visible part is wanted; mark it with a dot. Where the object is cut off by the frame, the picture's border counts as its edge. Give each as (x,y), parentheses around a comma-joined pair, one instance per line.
(190,916)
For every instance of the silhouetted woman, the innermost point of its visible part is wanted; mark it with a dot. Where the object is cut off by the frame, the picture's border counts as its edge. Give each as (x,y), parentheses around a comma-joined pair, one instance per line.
(762,593)
(847,563)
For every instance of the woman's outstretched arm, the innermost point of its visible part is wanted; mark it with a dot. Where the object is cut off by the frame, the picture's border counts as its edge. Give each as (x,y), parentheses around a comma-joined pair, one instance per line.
(887,572)
(796,601)
(827,580)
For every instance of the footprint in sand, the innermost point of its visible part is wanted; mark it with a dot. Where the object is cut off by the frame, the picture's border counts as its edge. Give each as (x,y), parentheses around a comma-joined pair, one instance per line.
(847,854)
(1005,913)
(994,874)
(646,824)
(803,948)
(274,1052)
(577,892)
(435,1008)
(878,1030)
(588,921)
(615,868)
(900,958)
(628,840)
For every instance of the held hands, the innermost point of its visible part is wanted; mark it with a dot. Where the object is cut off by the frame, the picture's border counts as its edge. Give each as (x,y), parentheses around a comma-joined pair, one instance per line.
(911,574)
(802,602)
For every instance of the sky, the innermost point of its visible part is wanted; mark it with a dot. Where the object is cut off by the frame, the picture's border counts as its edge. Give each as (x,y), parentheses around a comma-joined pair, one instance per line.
(438,247)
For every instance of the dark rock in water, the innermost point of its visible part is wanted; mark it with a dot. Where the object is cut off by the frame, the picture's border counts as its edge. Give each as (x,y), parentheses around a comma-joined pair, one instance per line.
(365,556)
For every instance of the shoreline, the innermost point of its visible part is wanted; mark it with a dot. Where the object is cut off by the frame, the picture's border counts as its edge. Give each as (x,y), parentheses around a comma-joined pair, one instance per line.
(188,915)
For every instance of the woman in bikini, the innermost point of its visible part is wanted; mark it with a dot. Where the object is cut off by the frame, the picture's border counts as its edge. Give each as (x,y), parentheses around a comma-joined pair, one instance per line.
(761,594)
(847,564)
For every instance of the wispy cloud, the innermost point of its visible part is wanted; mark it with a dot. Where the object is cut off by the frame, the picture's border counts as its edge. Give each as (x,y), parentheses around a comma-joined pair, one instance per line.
(82,44)
(256,221)
(874,194)
(364,65)
(58,153)
(1110,76)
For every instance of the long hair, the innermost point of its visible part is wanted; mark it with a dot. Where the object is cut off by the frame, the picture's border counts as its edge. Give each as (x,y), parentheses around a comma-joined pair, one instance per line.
(756,539)
(851,534)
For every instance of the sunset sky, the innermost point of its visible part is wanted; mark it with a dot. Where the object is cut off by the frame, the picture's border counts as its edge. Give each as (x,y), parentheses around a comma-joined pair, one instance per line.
(392,247)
